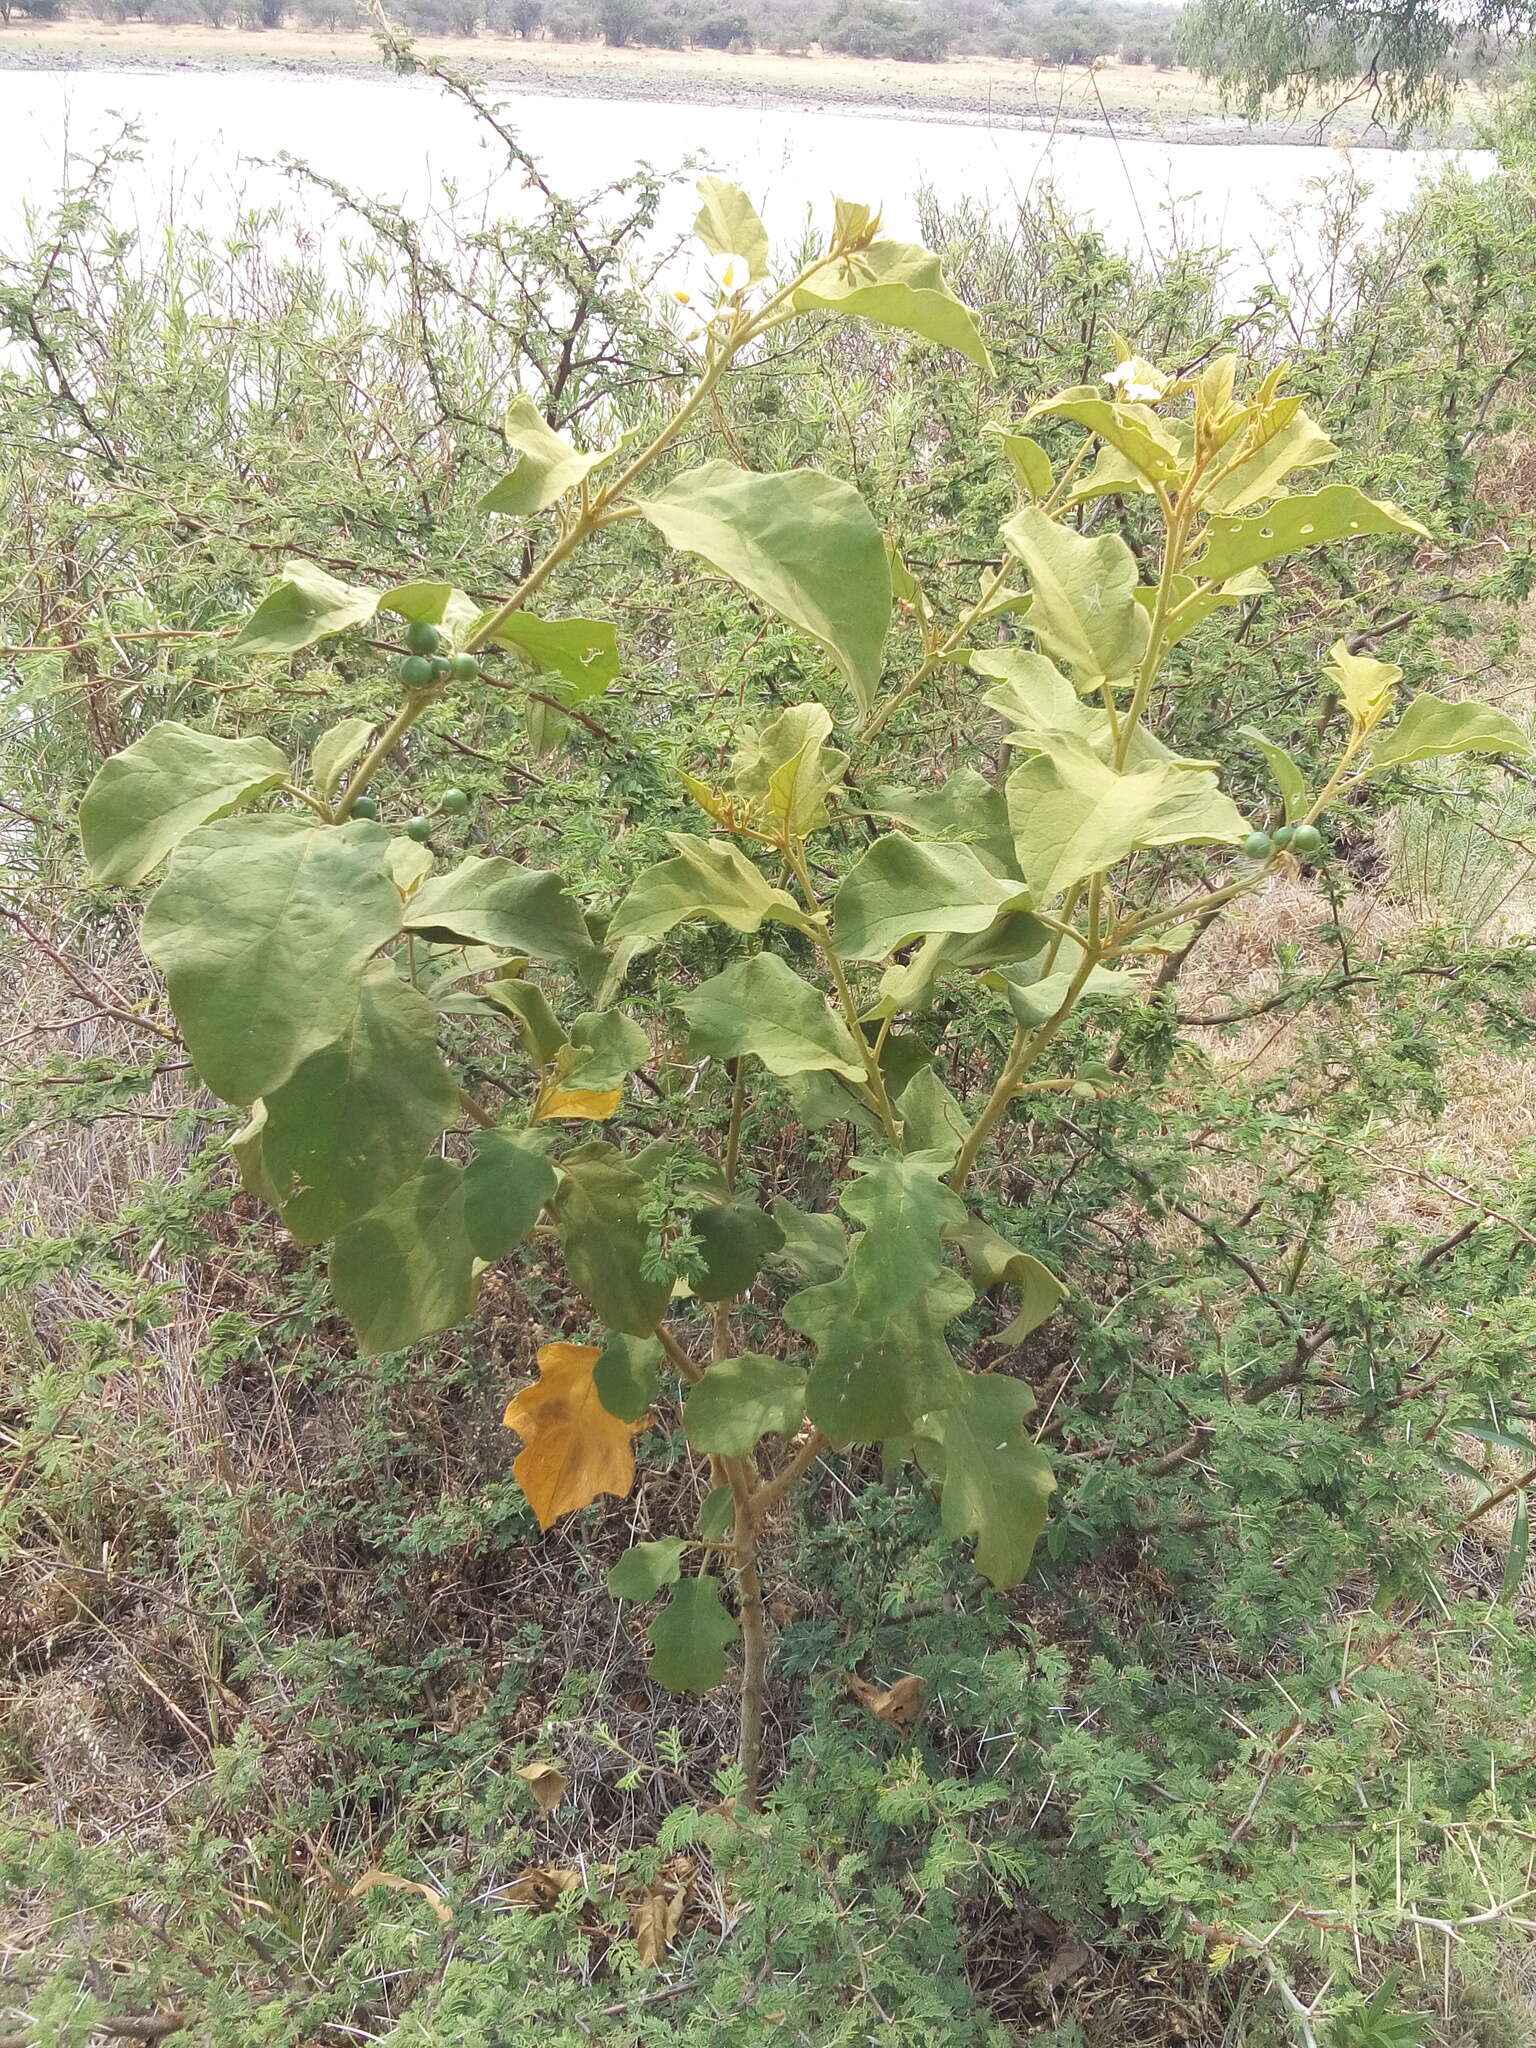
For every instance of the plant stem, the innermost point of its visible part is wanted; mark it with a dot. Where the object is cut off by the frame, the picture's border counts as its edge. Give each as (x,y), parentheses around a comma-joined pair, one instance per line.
(733,1131)
(382,748)
(754,1628)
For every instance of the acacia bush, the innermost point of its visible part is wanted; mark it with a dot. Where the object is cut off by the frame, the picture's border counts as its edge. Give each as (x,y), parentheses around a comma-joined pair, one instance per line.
(1253,1727)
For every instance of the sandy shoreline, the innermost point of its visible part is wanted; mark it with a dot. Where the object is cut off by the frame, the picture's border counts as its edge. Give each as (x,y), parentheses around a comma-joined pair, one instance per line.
(973,91)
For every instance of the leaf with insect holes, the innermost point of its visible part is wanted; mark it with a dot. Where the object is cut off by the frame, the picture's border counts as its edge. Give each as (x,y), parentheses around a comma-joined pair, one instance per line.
(304,605)
(690,1636)
(1337,512)
(144,801)
(574,1449)
(583,653)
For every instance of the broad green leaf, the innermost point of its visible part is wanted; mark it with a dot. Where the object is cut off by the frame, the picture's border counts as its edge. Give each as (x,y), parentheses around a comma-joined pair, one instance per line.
(1431,728)
(304,605)
(815,1247)
(335,751)
(144,801)
(897,284)
(994,1262)
(628,1375)
(933,1125)
(1367,686)
(717,1511)
(358,1117)
(497,903)
(584,653)
(605,1047)
(442,605)
(727,224)
(644,1569)
(690,1636)
(1083,608)
(1288,777)
(1135,430)
(262,929)
(734,1240)
(786,771)
(604,1240)
(408,863)
(506,1185)
(760,1006)
(1192,603)
(549,464)
(704,878)
(1336,512)
(539,1035)
(741,1400)
(1029,462)
(245,1150)
(881,1359)
(1073,816)
(966,810)
(1040,704)
(1299,444)
(995,1481)
(406,1270)
(902,888)
(800,542)
(1035,1002)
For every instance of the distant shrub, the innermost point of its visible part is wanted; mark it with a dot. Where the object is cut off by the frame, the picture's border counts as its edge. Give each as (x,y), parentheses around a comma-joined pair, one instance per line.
(724,32)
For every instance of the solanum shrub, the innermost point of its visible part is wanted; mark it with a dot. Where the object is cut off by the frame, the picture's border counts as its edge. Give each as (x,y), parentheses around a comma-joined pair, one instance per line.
(874,921)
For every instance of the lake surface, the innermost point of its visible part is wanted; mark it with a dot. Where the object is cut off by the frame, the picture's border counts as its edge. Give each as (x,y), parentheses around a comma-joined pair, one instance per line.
(401,140)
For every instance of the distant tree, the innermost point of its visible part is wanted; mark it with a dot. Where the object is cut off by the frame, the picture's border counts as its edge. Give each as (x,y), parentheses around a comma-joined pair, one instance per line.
(1402,52)
(721,31)
(620,20)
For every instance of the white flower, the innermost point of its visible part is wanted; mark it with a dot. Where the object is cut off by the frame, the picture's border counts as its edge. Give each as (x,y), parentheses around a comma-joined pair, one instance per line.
(1136,381)
(732,274)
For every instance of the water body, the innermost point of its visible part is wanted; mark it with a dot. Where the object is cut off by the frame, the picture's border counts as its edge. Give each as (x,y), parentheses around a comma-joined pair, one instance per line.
(400,140)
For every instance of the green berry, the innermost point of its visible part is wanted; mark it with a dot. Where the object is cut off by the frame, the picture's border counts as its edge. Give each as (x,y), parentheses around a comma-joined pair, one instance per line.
(1285,835)
(1258,846)
(442,668)
(1307,840)
(453,801)
(419,829)
(463,667)
(417,672)
(422,638)
(365,807)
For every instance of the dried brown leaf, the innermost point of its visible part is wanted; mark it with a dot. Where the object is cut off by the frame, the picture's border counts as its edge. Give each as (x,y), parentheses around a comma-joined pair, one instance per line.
(539,1888)
(546,1782)
(897,1707)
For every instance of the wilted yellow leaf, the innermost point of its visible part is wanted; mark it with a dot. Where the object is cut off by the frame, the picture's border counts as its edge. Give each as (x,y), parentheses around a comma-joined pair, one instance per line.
(385,1880)
(573,1448)
(595,1104)
(547,1784)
